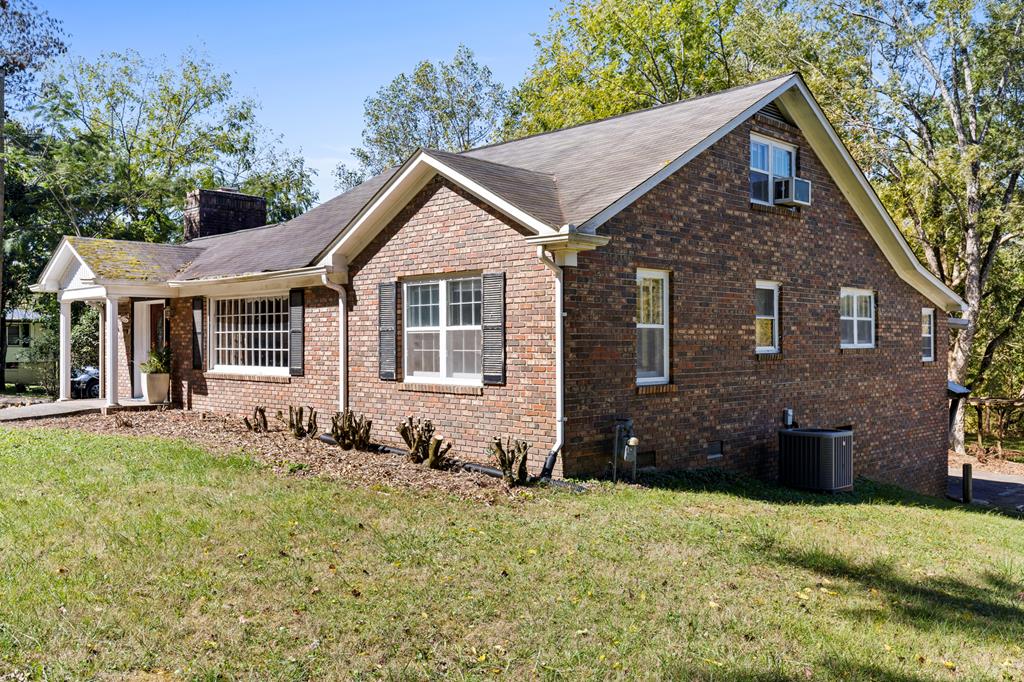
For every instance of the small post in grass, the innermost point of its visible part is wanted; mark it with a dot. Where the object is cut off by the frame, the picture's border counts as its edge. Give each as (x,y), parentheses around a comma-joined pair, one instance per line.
(967,484)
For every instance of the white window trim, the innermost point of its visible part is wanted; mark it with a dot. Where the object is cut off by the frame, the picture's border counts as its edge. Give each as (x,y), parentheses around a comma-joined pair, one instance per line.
(848,291)
(930,312)
(211,340)
(443,328)
(641,274)
(775,347)
(772,177)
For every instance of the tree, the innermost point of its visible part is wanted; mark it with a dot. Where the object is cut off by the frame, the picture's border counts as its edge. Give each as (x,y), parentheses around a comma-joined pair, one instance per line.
(124,139)
(28,39)
(450,106)
(600,58)
(949,87)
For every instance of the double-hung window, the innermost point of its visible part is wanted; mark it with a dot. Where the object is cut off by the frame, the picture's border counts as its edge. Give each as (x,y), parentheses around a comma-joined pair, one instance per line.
(769,160)
(766,317)
(857,318)
(443,331)
(250,334)
(928,334)
(652,327)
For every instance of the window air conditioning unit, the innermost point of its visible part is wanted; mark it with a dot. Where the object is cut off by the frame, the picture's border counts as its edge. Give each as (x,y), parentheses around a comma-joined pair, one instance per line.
(816,459)
(792,192)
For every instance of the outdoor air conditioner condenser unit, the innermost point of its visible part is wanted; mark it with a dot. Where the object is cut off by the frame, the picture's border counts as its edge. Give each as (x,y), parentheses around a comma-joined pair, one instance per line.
(792,192)
(816,459)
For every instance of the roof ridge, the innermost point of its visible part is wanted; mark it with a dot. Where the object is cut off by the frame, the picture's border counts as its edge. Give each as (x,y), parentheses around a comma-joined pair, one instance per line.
(258,227)
(632,113)
(462,155)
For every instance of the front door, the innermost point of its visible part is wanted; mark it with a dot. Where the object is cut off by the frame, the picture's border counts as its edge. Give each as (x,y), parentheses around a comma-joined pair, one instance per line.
(147,335)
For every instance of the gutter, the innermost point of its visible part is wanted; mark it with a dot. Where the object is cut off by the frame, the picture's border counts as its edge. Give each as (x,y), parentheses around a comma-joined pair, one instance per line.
(957,322)
(549,463)
(342,340)
(252,276)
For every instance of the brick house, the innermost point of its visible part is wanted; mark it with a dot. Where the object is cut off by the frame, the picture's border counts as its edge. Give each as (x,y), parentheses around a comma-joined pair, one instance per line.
(697,268)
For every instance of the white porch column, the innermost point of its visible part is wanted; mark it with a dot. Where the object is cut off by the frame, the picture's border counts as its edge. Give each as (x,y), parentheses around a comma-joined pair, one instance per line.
(102,355)
(64,371)
(111,348)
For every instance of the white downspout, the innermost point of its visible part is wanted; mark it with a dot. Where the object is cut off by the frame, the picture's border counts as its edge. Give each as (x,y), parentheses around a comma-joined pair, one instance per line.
(549,463)
(342,341)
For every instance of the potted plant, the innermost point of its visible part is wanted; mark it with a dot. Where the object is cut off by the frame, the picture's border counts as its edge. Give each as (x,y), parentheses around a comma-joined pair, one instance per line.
(156,373)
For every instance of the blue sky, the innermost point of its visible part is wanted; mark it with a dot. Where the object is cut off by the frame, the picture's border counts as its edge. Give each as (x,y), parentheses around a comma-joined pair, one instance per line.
(310,64)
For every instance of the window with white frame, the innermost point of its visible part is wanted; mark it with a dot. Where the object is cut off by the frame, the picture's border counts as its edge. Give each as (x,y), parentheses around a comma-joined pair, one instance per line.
(766,317)
(857,318)
(443,332)
(250,334)
(769,160)
(652,327)
(928,334)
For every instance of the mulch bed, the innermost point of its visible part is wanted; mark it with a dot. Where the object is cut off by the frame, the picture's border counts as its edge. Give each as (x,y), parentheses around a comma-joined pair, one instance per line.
(283,453)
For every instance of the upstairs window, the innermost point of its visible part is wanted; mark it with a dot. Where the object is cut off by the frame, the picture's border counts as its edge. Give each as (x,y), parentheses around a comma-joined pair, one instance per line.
(443,330)
(652,315)
(928,334)
(769,159)
(766,317)
(857,318)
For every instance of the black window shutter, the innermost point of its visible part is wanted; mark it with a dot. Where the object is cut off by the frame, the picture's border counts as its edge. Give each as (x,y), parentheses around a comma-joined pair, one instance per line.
(296,331)
(494,328)
(197,332)
(387,322)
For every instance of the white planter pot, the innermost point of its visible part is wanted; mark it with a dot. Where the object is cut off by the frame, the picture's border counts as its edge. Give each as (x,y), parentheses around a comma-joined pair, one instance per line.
(155,388)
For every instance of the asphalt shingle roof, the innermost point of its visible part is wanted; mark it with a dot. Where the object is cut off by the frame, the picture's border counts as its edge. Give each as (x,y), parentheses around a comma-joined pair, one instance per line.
(118,259)
(564,176)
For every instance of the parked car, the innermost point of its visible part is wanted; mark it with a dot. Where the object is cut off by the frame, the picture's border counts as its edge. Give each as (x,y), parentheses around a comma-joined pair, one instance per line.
(86,383)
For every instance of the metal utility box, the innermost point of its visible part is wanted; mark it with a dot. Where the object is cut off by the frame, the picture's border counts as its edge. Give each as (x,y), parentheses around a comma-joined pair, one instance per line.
(816,459)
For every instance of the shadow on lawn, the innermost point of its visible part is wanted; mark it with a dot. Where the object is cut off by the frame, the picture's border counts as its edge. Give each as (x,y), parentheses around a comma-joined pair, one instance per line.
(833,667)
(864,491)
(988,611)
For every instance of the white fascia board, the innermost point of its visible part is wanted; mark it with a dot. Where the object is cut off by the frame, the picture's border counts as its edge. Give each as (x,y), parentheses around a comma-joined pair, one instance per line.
(64,252)
(862,197)
(656,179)
(397,193)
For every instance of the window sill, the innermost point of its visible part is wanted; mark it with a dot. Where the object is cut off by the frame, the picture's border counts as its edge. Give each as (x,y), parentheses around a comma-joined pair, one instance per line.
(656,389)
(451,389)
(856,350)
(767,356)
(218,375)
(786,211)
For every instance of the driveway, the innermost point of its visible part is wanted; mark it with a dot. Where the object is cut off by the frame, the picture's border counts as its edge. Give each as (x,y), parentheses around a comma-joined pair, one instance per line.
(995,490)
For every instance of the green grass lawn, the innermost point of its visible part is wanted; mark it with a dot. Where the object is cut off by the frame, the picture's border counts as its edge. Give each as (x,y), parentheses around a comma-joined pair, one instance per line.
(124,556)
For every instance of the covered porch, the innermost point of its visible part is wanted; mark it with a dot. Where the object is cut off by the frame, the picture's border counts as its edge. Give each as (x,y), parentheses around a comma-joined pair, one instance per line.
(133,300)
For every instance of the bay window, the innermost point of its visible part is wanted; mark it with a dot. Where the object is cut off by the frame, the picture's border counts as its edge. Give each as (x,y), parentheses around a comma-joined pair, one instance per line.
(250,334)
(652,327)
(857,318)
(443,330)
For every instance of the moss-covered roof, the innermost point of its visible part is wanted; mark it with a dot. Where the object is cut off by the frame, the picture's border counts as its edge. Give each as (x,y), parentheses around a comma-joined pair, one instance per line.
(114,259)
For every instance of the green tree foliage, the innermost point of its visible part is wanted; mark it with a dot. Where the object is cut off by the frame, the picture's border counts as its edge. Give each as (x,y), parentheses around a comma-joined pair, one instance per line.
(450,106)
(600,58)
(123,139)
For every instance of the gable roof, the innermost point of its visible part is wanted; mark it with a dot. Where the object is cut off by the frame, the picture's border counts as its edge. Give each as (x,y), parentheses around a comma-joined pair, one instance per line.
(559,185)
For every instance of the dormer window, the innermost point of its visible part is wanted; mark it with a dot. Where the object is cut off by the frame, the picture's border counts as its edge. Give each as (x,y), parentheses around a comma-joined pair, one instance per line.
(770,160)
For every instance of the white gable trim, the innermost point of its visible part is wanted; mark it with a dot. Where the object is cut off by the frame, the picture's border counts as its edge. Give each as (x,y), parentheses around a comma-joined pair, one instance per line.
(63,257)
(796,101)
(400,190)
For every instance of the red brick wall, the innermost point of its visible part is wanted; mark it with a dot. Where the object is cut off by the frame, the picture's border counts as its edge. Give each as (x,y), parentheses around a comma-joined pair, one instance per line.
(700,225)
(238,394)
(446,231)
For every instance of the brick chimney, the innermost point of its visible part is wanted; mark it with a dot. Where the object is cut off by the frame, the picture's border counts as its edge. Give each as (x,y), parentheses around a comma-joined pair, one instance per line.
(219,211)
